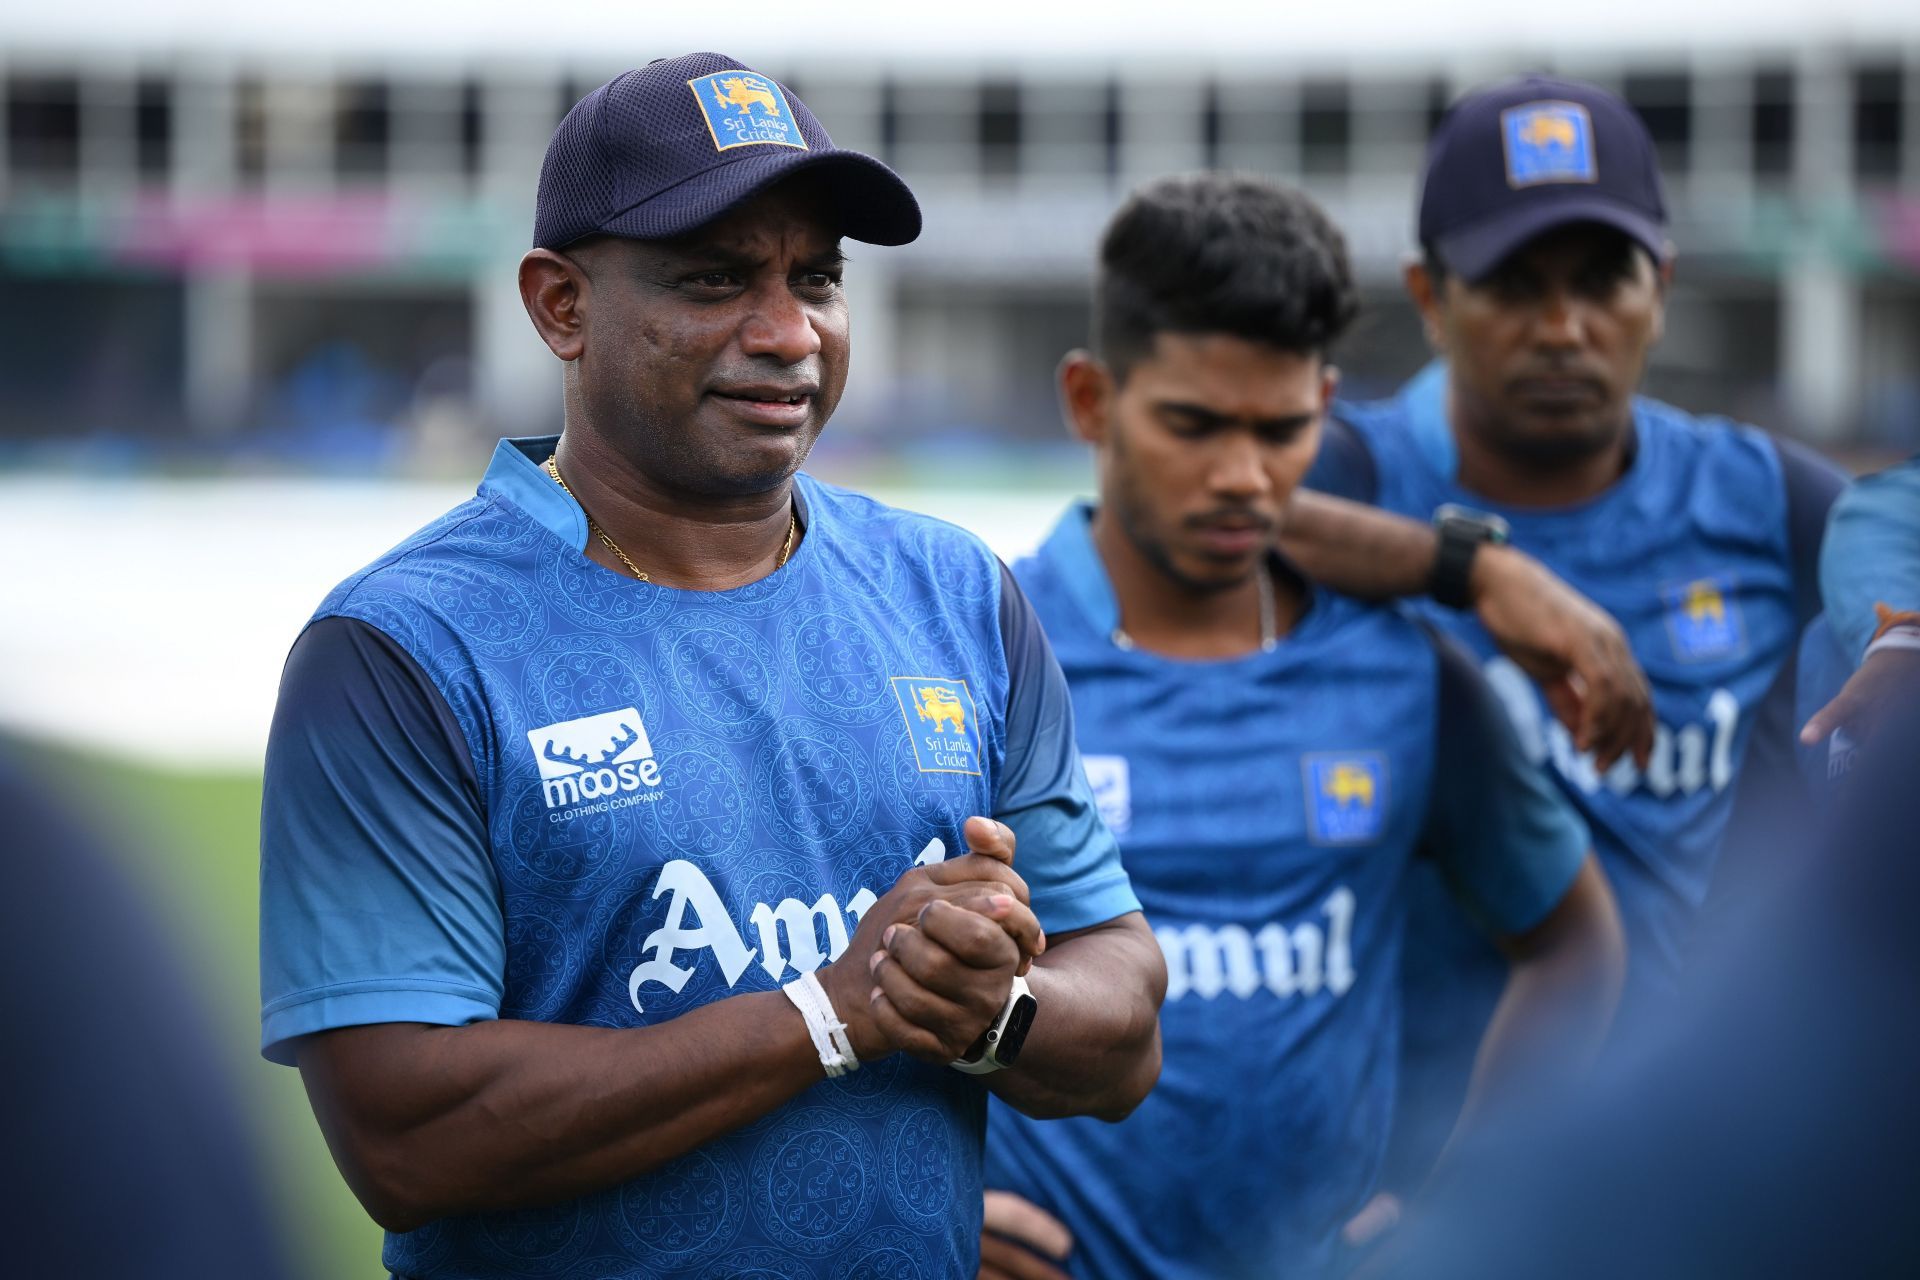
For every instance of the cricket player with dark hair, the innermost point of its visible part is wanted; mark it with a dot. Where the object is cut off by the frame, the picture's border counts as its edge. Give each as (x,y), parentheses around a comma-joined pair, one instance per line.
(1274,760)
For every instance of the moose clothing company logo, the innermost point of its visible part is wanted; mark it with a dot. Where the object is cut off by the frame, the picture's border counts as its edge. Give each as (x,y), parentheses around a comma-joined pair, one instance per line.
(744,110)
(1112,792)
(942,723)
(603,759)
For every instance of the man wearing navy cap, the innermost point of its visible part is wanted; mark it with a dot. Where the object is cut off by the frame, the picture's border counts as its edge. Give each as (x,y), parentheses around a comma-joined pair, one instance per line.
(638,846)
(1542,282)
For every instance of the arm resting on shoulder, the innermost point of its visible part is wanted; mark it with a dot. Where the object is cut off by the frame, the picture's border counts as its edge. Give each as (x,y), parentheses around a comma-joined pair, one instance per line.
(1095,1044)
(1571,647)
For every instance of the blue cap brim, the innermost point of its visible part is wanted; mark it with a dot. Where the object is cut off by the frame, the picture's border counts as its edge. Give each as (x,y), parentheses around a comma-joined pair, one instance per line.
(1474,251)
(873,204)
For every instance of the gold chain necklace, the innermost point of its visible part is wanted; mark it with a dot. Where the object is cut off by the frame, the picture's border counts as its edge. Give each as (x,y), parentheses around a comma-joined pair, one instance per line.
(553,469)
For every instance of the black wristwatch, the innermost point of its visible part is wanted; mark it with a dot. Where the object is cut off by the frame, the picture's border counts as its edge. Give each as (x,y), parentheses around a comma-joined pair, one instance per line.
(1461,530)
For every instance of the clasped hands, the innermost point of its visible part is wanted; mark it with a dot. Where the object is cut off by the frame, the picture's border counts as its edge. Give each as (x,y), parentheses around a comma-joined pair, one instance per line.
(932,962)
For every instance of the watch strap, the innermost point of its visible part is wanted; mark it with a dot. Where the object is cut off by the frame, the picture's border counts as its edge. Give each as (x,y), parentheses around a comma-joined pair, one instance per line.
(1451,583)
(1458,533)
(987,1059)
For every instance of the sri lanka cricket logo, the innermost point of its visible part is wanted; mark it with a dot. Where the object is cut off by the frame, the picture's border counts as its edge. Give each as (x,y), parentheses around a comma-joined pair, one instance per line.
(1548,142)
(942,723)
(1346,796)
(743,110)
(1703,618)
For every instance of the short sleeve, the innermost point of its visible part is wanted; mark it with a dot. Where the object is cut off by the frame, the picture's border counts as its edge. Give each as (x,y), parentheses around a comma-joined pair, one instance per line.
(378,899)
(1069,859)
(1508,843)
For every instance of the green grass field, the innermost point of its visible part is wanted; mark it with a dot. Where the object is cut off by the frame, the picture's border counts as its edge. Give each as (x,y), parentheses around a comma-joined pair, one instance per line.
(192,839)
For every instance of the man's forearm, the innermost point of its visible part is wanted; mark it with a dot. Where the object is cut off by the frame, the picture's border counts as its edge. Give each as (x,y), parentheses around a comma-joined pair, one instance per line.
(1356,549)
(1573,649)
(430,1121)
(1095,1044)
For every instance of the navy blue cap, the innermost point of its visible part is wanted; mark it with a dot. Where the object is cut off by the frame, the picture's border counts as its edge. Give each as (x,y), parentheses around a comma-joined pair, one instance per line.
(1517,159)
(661,150)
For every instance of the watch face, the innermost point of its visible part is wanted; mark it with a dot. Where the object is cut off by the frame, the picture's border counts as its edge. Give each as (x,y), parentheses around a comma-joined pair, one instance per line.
(1014,1036)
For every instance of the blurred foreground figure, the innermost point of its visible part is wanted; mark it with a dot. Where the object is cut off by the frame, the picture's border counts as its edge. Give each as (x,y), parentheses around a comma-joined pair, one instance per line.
(1543,288)
(1765,1125)
(126,1152)
(1273,757)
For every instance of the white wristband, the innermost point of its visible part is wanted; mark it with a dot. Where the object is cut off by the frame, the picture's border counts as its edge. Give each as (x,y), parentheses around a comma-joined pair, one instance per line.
(829,1034)
(1903,636)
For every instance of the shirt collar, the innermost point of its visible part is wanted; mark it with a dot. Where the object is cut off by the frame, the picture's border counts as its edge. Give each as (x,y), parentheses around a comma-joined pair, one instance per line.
(518,475)
(1070,552)
(1076,562)
(1424,410)
(1424,400)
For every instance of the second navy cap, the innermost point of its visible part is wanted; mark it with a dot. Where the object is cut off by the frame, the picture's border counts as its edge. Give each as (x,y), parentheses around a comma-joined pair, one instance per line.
(1509,162)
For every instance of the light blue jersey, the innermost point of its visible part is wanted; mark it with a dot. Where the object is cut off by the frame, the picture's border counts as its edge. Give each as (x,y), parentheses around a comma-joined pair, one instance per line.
(505,782)
(1871,556)
(1269,809)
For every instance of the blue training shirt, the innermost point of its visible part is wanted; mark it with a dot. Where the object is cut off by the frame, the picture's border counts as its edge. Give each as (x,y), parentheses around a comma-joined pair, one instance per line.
(1269,809)
(1871,556)
(505,782)
(1704,551)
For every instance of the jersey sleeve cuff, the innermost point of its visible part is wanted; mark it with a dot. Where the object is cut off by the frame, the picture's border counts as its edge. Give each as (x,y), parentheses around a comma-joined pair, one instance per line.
(1529,904)
(1083,905)
(360,1004)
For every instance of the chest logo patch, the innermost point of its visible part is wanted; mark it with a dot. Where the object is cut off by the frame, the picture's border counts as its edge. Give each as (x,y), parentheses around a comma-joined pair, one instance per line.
(1346,796)
(1112,792)
(1703,619)
(1548,142)
(941,723)
(600,757)
(745,110)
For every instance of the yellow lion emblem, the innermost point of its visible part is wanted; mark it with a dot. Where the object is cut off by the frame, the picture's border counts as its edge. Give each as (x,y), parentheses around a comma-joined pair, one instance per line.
(1704,601)
(1548,128)
(1350,784)
(745,95)
(941,706)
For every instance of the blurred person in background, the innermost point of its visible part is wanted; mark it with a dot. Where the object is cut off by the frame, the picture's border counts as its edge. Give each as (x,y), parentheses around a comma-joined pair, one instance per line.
(127,1152)
(574,798)
(1542,284)
(1867,642)
(1272,757)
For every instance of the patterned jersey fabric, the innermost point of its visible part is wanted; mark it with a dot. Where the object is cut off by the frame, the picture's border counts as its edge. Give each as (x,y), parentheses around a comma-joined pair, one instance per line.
(1269,809)
(505,782)
(1697,550)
